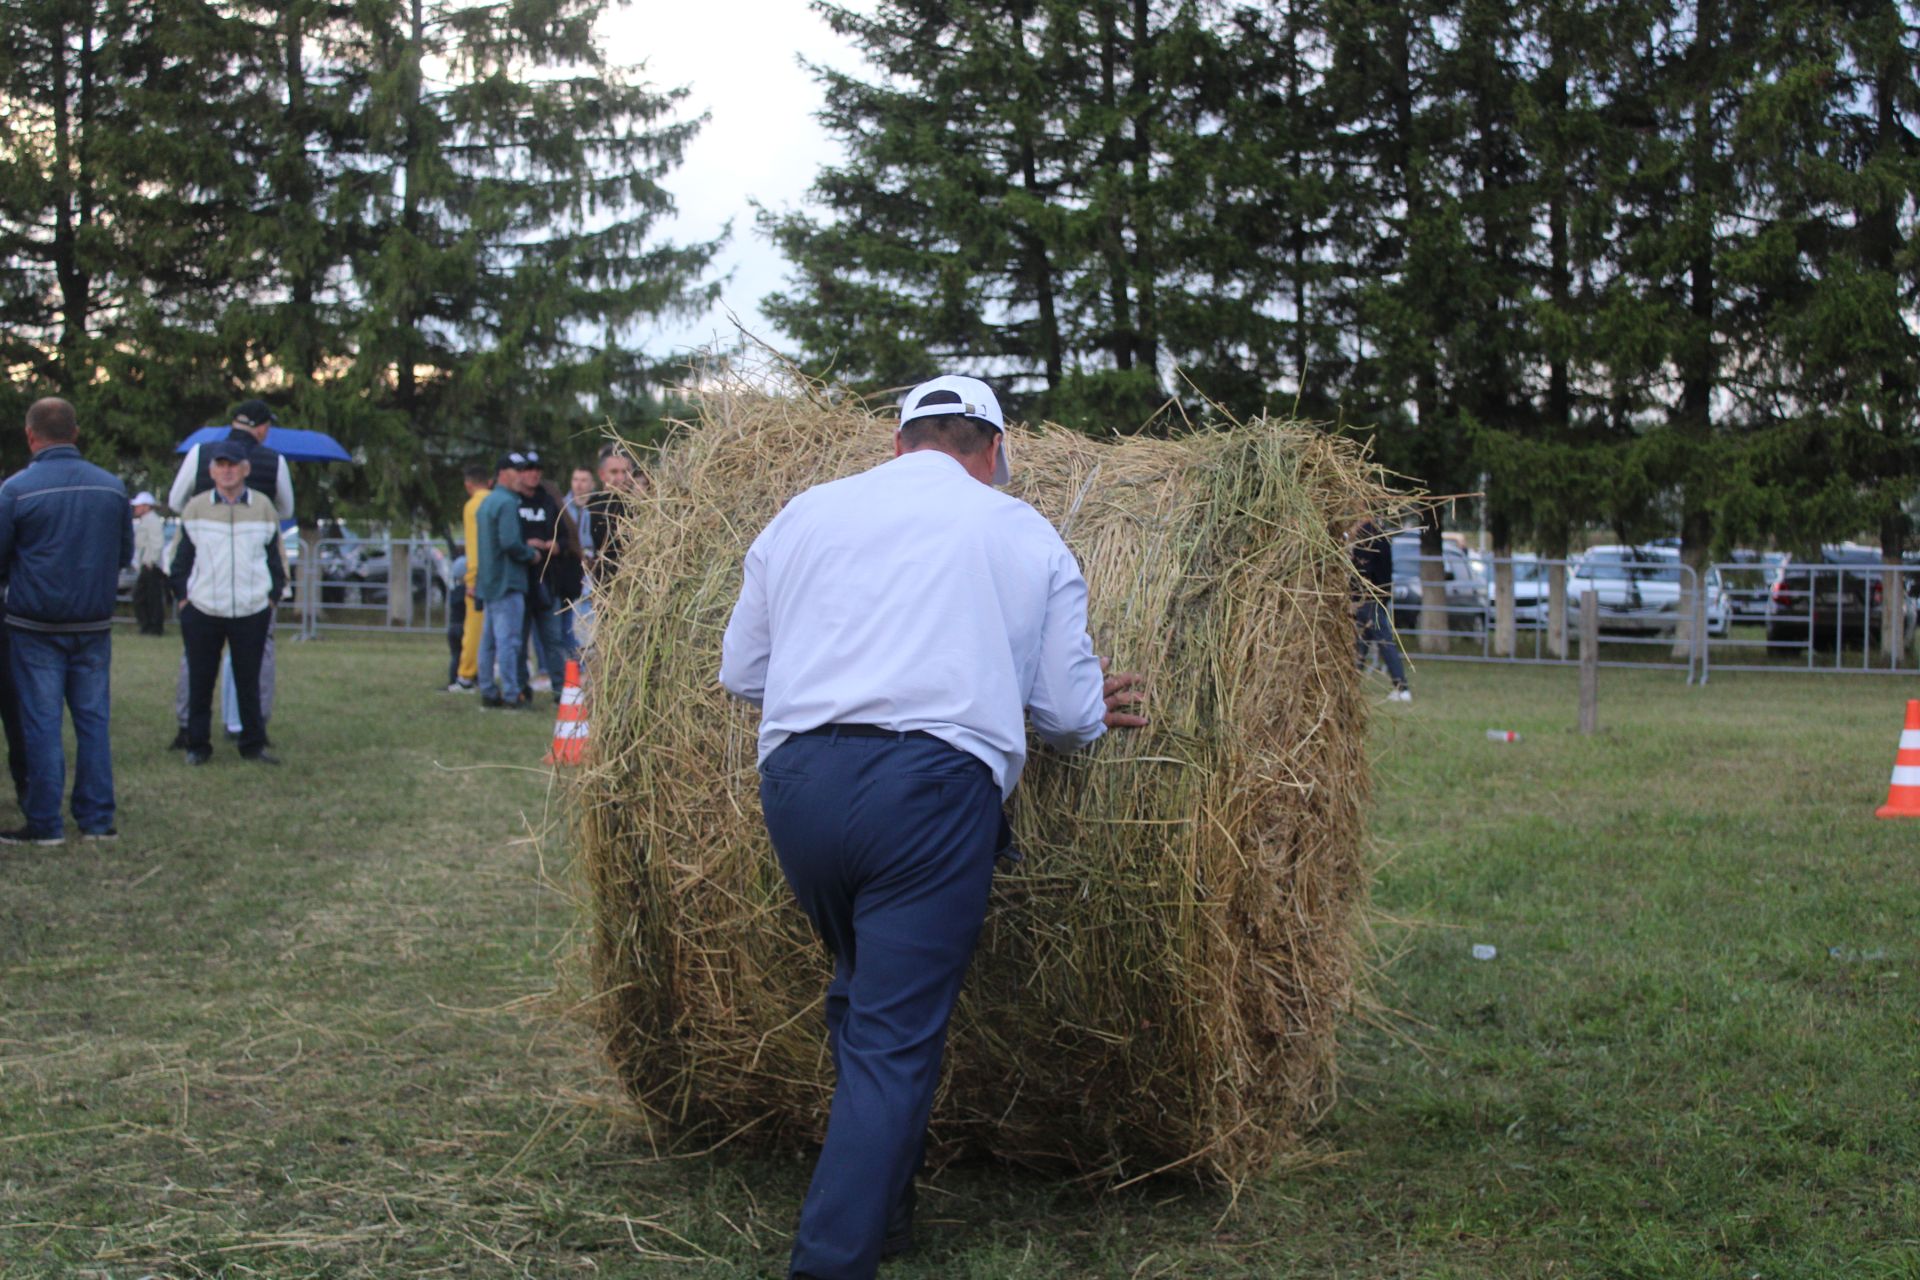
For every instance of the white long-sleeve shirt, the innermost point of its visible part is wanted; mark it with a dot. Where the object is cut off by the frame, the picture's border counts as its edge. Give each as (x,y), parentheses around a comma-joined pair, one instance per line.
(912,596)
(189,472)
(149,541)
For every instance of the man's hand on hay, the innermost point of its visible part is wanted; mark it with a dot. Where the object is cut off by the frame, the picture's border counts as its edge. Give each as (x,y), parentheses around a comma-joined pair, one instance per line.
(1122,689)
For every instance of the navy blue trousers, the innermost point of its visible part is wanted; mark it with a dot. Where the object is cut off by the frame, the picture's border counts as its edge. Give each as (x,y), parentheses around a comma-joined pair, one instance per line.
(888,843)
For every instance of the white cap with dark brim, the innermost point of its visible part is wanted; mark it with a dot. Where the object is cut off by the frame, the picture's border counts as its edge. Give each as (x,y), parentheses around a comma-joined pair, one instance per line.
(950,393)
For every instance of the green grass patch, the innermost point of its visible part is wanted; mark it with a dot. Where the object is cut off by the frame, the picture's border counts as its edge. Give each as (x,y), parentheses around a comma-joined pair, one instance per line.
(299,1022)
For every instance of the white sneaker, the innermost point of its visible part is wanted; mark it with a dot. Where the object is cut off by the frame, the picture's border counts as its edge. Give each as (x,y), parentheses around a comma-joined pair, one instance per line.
(461,686)
(1402,694)
(541,684)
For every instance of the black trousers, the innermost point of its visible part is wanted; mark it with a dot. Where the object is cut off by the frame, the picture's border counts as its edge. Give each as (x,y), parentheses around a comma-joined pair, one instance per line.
(10,718)
(150,600)
(205,635)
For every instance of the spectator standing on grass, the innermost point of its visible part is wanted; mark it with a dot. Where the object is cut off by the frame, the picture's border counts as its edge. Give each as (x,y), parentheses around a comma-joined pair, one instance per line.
(566,580)
(894,627)
(580,489)
(150,597)
(501,584)
(543,630)
(229,573)
(267,474)
(1373,560)
(457,625)
(466,677)
(66,531)
(607,511)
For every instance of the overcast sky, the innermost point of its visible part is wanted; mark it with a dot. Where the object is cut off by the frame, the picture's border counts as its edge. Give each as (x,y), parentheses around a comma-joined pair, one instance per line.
(739,59)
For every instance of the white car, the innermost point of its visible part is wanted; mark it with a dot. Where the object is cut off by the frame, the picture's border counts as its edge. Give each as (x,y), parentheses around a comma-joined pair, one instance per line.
(1640,590)
(1529,593)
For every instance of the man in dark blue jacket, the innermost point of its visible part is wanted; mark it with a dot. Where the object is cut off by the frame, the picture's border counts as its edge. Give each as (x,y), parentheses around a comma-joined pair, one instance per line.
(66,531)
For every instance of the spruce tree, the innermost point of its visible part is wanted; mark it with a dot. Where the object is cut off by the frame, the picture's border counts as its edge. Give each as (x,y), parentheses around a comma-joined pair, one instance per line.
(476,246)
(121,178)
(1050,194)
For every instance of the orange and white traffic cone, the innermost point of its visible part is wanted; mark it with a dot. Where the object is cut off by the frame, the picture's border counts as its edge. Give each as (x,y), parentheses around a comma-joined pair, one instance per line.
(1903,797)
(570,722)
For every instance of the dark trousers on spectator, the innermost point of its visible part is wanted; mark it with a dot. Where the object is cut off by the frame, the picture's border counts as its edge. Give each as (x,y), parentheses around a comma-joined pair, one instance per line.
(10,717)
(151,596)
(544,631)
(1376,627)
(888,843)
(205,635)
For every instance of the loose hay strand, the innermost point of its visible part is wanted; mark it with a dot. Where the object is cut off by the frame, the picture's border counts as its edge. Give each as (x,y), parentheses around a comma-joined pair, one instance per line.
(1160,980)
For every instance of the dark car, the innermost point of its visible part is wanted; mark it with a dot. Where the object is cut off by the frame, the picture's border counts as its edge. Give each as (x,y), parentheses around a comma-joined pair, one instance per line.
(1836,600)
(1466,595)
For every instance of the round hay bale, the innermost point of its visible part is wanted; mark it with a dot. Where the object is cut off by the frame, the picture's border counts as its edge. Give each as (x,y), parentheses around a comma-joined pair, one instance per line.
(1160,978)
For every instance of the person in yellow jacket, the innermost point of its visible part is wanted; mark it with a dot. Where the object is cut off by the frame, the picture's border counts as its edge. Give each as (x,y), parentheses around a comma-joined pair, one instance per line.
(479,482)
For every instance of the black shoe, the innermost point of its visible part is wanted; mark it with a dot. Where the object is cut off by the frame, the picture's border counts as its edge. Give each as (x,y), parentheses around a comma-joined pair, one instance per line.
(899,1237)
(101,833)
(492,702)
(199,755)
(179,742)
(262,756)
(28,835)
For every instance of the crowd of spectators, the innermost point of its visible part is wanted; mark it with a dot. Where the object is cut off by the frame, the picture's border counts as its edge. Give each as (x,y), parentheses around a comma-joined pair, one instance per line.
(524,585)
(531,561)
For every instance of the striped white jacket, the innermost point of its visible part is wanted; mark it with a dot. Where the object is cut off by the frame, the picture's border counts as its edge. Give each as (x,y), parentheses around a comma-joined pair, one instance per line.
(227,562)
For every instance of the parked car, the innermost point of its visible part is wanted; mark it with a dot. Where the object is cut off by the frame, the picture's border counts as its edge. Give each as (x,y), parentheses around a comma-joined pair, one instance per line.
(1749,589)
(1529,593)
(1834,600)
(355,570)
(1466,595)
(1642,589)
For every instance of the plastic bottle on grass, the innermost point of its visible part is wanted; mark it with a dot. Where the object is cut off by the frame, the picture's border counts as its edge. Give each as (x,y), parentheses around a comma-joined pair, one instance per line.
(1503,735)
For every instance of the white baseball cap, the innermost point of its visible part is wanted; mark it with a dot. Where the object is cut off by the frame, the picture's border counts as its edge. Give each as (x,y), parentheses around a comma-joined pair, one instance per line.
(950,393)
(142,499)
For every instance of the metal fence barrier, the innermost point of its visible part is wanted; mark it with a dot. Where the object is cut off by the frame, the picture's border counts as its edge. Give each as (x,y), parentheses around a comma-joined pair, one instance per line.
(389,584)
(1857,619)
(1641,616)
(1842,619)
(401,585)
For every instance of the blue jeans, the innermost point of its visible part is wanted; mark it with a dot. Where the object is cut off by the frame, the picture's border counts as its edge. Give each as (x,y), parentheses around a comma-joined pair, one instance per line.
(1377,627)
(888,843)
(50,671)
(499,643)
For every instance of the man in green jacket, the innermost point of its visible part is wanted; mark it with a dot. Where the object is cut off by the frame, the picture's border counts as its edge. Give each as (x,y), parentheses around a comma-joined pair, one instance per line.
(501,585)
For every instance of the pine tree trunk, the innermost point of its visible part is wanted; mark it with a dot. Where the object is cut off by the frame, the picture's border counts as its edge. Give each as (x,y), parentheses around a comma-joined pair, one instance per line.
(1505,632)
(1557,610)
(1698,363)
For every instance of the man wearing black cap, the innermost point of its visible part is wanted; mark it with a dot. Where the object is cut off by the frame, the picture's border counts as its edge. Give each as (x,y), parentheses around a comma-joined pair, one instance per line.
(500,584)
(228,572)
(268,474)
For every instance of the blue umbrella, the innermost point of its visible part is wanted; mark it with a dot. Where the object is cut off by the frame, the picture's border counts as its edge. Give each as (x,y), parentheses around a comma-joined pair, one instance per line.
(292,443)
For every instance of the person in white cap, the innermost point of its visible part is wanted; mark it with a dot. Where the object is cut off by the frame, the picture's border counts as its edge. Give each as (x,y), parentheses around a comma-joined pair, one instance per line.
(897,629)
(151,600)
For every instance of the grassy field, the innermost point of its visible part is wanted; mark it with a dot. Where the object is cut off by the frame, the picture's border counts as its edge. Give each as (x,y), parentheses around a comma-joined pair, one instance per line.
(299,1023)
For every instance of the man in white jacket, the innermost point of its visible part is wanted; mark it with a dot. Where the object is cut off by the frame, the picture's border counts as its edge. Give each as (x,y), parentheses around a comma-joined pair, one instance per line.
(228,572)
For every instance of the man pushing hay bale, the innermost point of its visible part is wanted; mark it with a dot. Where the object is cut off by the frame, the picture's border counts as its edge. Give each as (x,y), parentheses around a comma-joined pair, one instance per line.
(1159,977)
